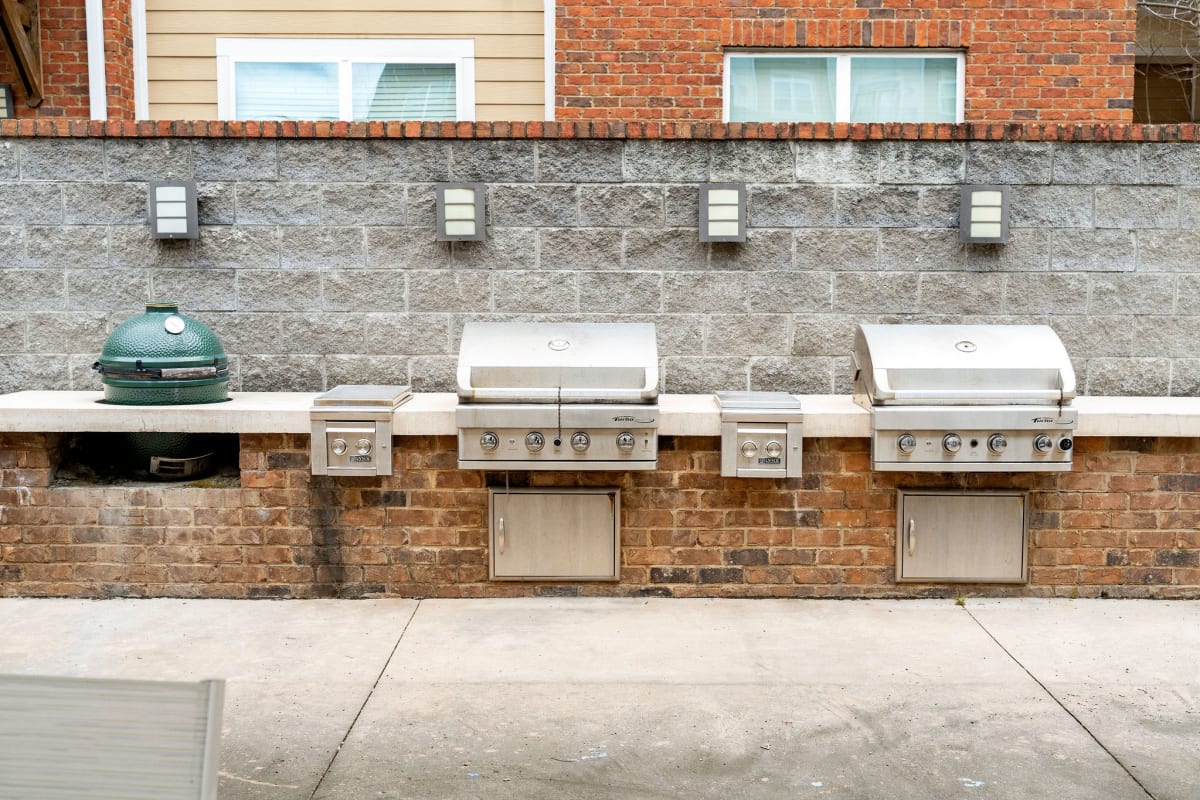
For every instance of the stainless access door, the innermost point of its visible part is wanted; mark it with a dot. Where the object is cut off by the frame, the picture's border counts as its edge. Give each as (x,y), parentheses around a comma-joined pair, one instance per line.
(961,538)
(554,534)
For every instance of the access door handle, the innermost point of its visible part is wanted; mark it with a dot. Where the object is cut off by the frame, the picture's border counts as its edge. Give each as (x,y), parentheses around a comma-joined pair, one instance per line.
(912,537)
(500,535)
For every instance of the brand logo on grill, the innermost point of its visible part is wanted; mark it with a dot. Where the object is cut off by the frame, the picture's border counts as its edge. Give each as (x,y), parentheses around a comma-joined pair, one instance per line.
(769,460)
(622,419)
(360,459)
(1050,420)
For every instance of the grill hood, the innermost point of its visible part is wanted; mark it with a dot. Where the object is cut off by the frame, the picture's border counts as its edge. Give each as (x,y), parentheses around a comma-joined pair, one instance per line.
(545,362)
(961,365)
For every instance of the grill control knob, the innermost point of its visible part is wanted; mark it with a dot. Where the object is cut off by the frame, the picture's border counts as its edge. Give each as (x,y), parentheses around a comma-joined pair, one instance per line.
(363,446)
(906,443)
(625,442)
(1043,443)
(951,442)
(580,441)
(338,446)
(534,441)
(997,443)
(749,449)
(489,441)
(774,449)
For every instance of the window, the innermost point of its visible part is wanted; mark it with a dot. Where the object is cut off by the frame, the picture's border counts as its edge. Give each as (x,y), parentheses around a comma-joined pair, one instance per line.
(346,79)
(844,86)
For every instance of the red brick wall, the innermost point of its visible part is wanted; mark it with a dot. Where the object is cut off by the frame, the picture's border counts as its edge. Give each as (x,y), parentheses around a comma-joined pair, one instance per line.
(1124,523)
(1044,60)
(65,62)
(118,55)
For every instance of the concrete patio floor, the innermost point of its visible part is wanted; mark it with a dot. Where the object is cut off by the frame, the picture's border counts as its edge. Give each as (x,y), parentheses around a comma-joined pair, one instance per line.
(658,698)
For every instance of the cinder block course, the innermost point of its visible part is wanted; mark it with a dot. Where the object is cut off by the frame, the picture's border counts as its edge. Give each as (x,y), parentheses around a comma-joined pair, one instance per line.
(877,207)
(62,159)
(148,159)
(403,161)
(794,375)
(109,289)
(910,163)
(1093,250)
(1148,294)
(1008,162)
(609,291)
(537,292)
(493,161)
(925,249)
(309,248)
(1170,164)
(234,160)
(666,162)
(336,160)
(61,247)
(249,246)
(105,204)
(1051,206)
(664,249)
(791,206)
(769,249)
(1139,207)
(362,204)
(579,161)
(405,248)
(408,334)
(505,248)
(837,162)
(875,292)
(1046,293)
(461,291)
(1174,338)
(352,290)
(1093,162)
(195,290)
(1128,376)
(278,290)
(752,162)
(747,334)
(789,292)
(278,203)
(621,206)
(529,205)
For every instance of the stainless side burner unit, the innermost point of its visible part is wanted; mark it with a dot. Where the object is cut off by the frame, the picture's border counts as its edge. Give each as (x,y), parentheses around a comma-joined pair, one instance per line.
(352,429)
(570,396)
(966,398)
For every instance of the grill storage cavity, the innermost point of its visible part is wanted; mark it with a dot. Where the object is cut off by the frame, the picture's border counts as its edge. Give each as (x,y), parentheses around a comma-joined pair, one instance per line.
(966,398)
(558,396)
(352,429)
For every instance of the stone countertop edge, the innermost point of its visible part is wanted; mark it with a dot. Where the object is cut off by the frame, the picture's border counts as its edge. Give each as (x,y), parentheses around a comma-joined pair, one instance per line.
(432,414)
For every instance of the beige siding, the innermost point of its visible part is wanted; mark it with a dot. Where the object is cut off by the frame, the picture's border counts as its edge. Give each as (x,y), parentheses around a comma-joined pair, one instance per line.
(181,44)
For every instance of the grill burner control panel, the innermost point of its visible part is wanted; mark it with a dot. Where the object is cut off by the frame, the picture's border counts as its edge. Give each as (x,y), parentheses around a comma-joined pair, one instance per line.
(536,436)
(1019,440)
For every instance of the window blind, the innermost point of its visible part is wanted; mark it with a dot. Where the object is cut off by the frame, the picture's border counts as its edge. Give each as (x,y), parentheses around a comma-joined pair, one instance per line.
(404,91)
(286,90)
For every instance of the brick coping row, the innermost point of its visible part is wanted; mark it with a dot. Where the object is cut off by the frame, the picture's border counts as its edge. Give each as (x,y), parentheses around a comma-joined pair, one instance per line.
(698,131)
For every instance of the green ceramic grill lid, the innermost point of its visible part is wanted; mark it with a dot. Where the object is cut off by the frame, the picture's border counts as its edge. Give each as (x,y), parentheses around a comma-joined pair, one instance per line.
(163,357)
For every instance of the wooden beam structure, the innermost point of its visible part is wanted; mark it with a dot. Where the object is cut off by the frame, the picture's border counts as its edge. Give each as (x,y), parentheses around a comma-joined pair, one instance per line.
(19,23)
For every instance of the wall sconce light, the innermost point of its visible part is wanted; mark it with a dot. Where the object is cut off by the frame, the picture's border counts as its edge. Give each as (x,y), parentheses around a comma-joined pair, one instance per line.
(6,101)
(723,212)
(460,212)
(173,210)
(983,215)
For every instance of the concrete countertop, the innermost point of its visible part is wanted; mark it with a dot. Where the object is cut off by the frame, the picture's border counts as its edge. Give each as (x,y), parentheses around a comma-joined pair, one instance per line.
(433,414)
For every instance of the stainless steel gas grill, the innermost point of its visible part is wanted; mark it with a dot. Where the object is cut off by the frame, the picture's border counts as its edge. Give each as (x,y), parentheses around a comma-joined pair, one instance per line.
(966,398)
(551,396)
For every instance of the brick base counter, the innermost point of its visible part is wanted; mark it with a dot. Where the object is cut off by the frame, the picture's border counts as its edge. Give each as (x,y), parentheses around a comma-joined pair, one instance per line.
(1124,523)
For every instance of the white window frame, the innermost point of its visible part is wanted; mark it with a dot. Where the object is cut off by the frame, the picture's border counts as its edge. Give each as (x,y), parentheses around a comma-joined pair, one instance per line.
(842,77)
(343,52)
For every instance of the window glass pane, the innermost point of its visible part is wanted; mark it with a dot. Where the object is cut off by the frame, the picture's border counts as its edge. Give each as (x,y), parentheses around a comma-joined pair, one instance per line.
(781,89)
(404,91)
(269,90)
(903,89)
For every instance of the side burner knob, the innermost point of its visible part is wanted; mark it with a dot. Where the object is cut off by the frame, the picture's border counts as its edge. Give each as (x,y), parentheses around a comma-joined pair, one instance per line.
(906,443)
(489,441)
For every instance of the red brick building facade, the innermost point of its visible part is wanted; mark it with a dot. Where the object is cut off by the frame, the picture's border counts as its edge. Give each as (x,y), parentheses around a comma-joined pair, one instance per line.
(1053,61)
(1046,61)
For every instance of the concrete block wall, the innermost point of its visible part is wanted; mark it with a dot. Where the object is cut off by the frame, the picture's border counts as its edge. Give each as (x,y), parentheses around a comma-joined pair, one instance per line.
(1123,524)
(317,265)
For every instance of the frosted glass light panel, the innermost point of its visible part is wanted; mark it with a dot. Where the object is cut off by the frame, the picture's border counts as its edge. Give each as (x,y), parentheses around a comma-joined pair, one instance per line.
(773,89)
(983,215)
(723,212)
(404,91)
(286,90)
(460,212)
(903,89)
